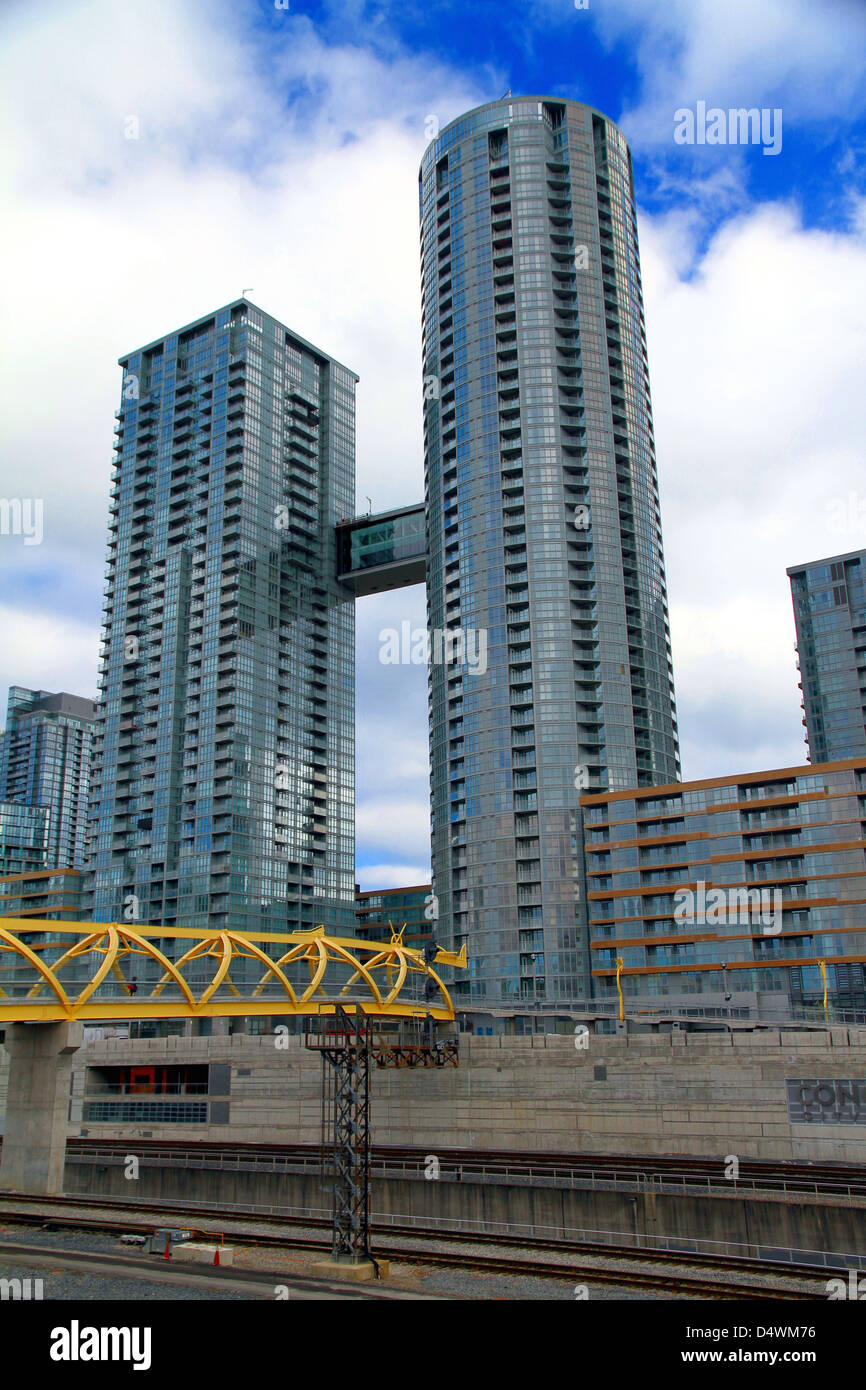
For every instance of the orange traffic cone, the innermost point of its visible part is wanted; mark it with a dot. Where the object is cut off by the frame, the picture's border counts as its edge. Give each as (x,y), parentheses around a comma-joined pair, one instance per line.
(216,1255)
(167,1251)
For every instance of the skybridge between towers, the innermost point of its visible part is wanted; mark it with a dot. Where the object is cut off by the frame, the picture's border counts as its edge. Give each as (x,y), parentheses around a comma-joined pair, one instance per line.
(57,975)
(376,553)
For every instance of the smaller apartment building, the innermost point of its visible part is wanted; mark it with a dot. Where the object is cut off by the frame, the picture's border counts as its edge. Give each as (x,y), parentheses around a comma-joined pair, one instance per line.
(733,895)
(379,912)
(45,753)
(54,894)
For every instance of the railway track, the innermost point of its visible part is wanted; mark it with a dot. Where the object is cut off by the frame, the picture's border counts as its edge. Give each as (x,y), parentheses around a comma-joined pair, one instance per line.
(255,1283)
(660,1279)
(831,1179)
(262,1284)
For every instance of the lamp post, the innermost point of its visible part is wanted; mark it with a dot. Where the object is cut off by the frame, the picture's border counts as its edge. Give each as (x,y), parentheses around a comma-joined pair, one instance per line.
(725,990)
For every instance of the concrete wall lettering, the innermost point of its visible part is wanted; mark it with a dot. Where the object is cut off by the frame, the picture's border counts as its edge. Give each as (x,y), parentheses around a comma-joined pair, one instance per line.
(831,1102)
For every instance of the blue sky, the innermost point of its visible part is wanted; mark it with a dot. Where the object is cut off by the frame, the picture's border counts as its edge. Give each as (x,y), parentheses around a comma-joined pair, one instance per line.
(278,149)
(646,60)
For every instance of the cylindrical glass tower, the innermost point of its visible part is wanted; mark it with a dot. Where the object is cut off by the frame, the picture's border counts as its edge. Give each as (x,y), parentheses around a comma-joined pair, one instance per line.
(544,533)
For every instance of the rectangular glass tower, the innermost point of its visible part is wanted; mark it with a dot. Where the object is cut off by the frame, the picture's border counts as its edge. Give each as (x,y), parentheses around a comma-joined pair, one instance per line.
(45,754)
(223,780)
(544,531)
(829,599)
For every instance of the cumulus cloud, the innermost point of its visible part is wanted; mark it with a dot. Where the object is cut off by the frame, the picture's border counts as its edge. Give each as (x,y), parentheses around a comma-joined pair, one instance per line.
(392,826)
(793,56)
(791,53)
(756,365)
(222,186)
(48,653)
(388,875)
(392,750)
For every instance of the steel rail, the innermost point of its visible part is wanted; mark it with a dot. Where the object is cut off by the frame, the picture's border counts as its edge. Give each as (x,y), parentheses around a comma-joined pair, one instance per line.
(732,1264)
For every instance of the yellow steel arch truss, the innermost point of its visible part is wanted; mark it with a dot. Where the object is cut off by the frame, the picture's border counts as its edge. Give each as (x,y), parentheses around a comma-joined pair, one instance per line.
(59,970)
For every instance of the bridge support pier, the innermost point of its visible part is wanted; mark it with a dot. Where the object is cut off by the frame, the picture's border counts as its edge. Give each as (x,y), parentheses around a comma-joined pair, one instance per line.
(34,1138)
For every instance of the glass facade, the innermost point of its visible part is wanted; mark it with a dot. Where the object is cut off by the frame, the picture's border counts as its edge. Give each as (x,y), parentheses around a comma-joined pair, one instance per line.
(398,907)
(382,552)
(55,895)
(45,761)
(24,833)
(544,531)
(774,864)
(223,781)
(382,540)
(830,615)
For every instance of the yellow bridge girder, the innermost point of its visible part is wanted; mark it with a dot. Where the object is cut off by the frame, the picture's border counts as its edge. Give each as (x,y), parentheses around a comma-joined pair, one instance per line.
(56,971)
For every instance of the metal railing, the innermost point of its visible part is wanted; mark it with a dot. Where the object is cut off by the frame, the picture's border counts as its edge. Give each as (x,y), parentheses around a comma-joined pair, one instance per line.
(638,1011)
(441,1227)
(669,1183)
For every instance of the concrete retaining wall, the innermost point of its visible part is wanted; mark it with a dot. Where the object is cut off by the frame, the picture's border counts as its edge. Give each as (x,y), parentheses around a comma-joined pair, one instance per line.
(810,1223)
(691,1094)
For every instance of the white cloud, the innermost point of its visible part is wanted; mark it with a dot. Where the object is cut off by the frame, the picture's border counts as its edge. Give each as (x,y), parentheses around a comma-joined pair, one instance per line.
(756,369)
(116,240)
(48,653)
(734,665)
(394,826)
(789,53)
(376,876)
